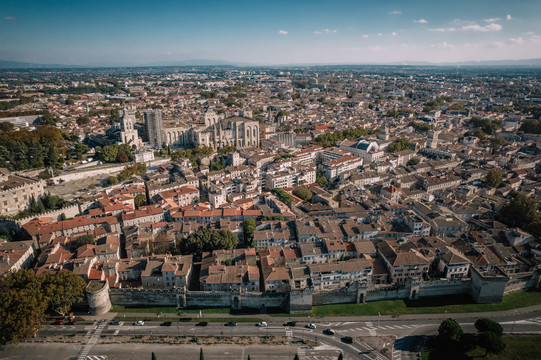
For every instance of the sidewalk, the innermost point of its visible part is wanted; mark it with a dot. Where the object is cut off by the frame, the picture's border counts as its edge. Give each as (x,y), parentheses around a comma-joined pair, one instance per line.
(281,319)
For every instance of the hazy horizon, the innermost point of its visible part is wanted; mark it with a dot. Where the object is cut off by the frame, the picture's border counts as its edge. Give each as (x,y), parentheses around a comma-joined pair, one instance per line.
(268,33)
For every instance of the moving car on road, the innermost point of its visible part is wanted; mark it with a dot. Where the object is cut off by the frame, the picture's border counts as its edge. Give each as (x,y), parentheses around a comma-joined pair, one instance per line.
(139,323)
(261,324)
(59,322)
(166,323)
(311,326)
(231,323)
(347,339)
(328,332)
(202,323)
(290,323)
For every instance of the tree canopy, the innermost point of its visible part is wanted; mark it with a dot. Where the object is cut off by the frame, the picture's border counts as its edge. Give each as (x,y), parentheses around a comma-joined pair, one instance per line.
(450,332)
(399,145)
(282,196)
(248,227)
(204,240)
(330,139)
(303,193)
(26,296)
(485,325)
(520,211)
(494,179)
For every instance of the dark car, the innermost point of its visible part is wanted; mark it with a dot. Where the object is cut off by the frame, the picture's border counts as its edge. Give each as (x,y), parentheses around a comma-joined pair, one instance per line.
(59,322)
(115,322)
(291,323)
(167,323)
(347,339)
(328,332)
(231,323)
(202,323)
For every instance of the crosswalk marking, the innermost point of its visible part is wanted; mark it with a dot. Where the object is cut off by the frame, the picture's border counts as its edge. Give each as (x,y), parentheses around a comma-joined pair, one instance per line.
(301,352)
(94,337)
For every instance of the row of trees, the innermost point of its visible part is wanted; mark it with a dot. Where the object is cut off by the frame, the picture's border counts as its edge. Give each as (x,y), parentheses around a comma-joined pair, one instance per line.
(452,343)
(192,154)
(282,196)
(27,296)
(22,150)
(330,139)
(45,203)
(122,153)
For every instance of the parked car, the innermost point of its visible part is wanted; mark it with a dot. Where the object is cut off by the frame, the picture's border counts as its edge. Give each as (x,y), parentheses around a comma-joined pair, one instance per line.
(167,323)
(202,323)
(72,322)
(261,324)
(328,332)
(59,322)
(347,339)
(231,323)
(139,323)
(311,326)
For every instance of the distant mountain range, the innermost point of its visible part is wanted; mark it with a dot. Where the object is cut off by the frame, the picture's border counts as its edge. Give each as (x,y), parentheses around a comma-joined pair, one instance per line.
(11,65)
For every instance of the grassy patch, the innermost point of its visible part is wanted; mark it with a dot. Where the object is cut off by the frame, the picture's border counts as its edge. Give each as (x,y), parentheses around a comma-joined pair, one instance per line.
(430,305)
(517,348)
(129,319)
(166,310)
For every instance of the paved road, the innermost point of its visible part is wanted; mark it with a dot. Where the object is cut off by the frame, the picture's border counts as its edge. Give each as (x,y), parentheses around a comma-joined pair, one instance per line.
(410,334)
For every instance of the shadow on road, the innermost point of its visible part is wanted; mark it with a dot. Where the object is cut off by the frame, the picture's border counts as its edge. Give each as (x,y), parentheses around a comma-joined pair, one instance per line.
(410,343)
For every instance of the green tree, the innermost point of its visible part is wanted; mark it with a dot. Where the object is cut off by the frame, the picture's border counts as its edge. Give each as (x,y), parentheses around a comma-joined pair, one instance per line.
(6,126)
(112,180)
(399,145)
(519,211)
(485,325)
(207,240)
(491,342)
(303,193)
(84,240)
(62,290)
(480,134)
(450,332)
(412,161)
(248,227)
(22,306)
(494,179)
(140,200)
(282,196)
(48,118)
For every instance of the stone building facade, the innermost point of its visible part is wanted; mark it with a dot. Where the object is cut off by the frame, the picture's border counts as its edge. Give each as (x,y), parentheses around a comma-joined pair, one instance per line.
(17,191)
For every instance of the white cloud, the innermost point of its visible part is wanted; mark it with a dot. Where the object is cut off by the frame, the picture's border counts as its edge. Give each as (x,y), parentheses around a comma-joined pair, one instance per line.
(492,20)
(364,36)
(376,48)
(9,18)
(380,34)
(477,27)
(421,21)
(449,29)
(396,12)
(393,33)
(325,31)
(282,32)
(508,17)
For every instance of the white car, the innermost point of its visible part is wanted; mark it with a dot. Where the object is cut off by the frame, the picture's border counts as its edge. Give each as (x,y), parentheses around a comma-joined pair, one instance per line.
(311,326)
(139,323)
(262,324)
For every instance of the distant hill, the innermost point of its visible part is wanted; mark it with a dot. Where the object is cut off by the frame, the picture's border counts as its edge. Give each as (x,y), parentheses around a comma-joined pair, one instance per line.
(6,64)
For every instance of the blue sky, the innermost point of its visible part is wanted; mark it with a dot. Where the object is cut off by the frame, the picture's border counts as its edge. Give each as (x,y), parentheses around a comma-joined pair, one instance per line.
(268,32)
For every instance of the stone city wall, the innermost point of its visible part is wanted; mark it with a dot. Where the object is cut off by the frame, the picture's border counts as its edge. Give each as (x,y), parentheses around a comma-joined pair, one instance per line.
(148,297)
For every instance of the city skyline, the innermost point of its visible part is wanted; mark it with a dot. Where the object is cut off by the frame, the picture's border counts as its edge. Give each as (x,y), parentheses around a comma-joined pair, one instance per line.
(270,33)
